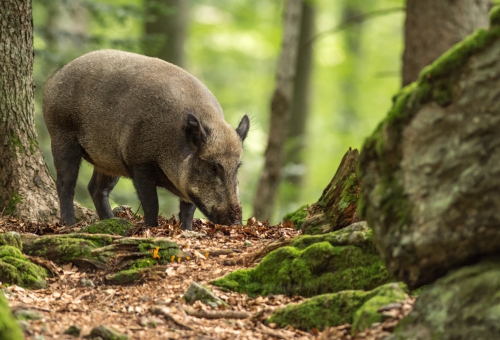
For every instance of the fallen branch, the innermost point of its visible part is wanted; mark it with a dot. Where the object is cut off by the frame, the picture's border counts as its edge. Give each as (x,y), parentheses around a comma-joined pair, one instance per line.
(274,333)
(54,270)
(167,315)
(217,314)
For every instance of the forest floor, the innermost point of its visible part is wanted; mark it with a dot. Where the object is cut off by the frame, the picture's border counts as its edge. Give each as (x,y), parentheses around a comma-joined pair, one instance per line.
(154,308)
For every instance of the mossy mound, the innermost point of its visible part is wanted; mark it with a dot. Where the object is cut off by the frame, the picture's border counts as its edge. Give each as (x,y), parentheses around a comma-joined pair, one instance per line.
(341,260)
(11,239)
(351,306)
(9,330)
(112,226)
(463,305)
(16,269)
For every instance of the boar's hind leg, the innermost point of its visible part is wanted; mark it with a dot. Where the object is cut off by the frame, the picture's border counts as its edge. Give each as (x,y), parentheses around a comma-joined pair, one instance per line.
(143,177)
(67,159)
(100,186)
(186,215)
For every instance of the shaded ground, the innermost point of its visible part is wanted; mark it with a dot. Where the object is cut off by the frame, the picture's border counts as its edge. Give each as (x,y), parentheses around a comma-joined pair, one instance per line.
(154,308)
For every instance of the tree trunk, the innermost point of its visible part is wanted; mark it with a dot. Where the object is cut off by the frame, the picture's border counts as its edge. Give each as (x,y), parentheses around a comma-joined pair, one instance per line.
(165,29)
(280,113)
(27,190)
(336,208)
(295,168)
(432,27)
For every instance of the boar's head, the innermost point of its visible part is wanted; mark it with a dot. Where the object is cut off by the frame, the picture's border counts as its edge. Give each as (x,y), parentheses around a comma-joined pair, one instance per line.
(210,171)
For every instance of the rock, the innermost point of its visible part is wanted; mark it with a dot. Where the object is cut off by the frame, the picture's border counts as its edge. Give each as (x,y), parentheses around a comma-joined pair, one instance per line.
(112,226)
(247,243)
(463,305)
(27,314)
(312,265)
(430,172)
(25,326)
(197,292)
(17,269)
(9,329)
(73,330)
(106,333)
(86,283)
(355,307)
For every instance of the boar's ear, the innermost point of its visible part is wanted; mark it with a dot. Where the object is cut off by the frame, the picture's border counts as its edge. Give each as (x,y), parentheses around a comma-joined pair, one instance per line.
(195,133)
(242,129)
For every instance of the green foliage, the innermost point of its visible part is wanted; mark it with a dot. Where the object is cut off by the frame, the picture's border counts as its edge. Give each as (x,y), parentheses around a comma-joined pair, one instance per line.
(232,47)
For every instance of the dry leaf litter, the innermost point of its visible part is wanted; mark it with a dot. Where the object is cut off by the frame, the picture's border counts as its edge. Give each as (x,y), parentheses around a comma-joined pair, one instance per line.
(154,307)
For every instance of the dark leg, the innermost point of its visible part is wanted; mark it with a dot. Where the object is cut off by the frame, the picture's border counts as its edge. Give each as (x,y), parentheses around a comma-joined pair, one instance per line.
(145,185)
(67,158)
(186,215)
(100,187)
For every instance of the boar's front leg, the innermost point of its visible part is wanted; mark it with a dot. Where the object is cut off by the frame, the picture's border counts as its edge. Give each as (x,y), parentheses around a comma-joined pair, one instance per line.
(143,177)
(100,186)
(186,215)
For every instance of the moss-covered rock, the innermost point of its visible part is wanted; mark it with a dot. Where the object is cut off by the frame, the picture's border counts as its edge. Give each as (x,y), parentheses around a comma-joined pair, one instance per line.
(112,226)
(330,310)
(197,292)
(429,171)
(345,259)
(11,239)
(9,330)
(465,304)
(106,333)
(16,269)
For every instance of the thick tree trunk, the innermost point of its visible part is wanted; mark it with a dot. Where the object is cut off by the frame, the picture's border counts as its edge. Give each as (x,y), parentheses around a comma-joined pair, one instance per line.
(27,190)
(280,113)
(296,139)
(165,29)
(432,27)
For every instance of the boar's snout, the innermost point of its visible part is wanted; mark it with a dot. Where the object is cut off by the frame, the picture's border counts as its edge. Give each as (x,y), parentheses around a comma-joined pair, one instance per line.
(231,216)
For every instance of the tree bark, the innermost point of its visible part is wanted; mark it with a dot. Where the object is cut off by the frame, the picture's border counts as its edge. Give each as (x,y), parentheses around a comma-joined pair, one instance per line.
(165,29)
(296,139)
(432,27)
(336,208)
(27,190)
(280,113)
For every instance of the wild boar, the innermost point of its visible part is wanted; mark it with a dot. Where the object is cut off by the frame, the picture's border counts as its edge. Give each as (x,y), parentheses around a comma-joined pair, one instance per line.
(145,119)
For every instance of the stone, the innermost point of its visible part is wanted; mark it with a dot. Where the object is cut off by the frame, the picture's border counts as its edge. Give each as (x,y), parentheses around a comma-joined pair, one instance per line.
(463,305)
(27,314)
(430,172)
(197,292)
(73,330)
(106,333)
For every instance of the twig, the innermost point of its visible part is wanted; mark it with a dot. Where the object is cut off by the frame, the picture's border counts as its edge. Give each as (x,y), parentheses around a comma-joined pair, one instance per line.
(272,332)
(217,314)
(352,21)
(166,313)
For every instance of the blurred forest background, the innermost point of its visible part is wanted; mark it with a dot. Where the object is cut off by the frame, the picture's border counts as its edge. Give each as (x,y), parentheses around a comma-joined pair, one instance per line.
(232,46)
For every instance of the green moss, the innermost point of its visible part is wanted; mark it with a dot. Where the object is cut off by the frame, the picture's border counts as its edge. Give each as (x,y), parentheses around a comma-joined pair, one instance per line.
(314,266)
(16,269)
(11,239)
(142,263)
(65,248)
(329,310)
(15,199)
(9,330)
(349,193)
(495,16)
(298,216)
(16,145)
(112,226)
(368,313)
(127,276)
